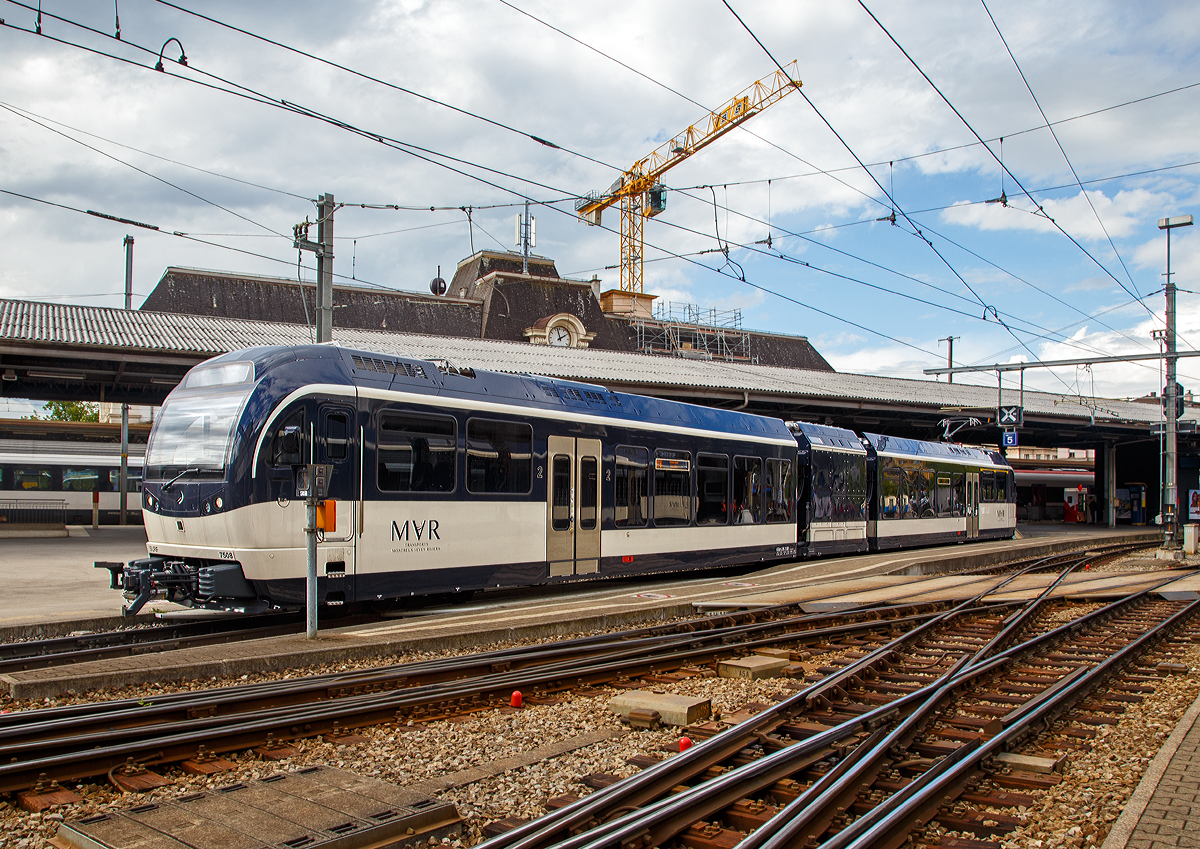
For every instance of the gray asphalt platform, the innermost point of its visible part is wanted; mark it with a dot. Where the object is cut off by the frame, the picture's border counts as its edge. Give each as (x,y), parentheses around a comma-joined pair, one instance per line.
(52,579)
(1164,811)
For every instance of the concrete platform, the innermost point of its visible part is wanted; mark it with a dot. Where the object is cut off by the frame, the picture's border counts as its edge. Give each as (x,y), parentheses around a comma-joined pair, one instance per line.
(53,579)
(547,613)
(1165,809)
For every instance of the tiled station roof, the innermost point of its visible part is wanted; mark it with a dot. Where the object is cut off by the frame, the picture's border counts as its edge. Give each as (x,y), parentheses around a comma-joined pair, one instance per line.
(81,331)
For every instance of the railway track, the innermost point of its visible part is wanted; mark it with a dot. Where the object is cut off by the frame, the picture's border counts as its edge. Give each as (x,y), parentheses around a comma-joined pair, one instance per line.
(125,642)
(83,740)
(894,660)
(88,739)
(146,639)
(918,729)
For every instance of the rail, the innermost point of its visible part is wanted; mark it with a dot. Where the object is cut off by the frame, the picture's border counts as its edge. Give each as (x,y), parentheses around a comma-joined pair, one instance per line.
(655,806)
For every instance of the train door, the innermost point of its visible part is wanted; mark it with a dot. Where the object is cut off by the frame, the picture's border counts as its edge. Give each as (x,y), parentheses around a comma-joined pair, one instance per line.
(972,505)
(338,441)
(573,506)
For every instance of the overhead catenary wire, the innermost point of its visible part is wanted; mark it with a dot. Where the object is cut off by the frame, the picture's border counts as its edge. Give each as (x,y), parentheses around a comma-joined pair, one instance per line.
(1011,175)
(1019,132)
(142,171)
(182,235)
(938,151)
(987,308)
(763,289)
(435,152)
(245,92)
(826,246)
(159,157)
(394,86)
(1045,334)
(740,127)
(1057,141)
(412,150)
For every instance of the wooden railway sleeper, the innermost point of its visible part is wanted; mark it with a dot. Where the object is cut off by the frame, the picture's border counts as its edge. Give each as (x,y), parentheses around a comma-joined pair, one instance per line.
(891,830)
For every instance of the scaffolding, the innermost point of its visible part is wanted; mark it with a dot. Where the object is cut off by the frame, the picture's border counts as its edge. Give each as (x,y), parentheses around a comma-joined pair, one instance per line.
(684,330)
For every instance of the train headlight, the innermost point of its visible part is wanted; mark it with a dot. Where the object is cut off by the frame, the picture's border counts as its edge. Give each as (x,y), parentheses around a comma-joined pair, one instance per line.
(220,502)
(208,508)
(150,501)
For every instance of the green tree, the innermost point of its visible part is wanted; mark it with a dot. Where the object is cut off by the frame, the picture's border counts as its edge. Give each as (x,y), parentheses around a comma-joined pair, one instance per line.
(69,411)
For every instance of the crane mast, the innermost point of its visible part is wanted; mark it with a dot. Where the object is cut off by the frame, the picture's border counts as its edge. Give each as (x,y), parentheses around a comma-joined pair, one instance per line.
(638,189)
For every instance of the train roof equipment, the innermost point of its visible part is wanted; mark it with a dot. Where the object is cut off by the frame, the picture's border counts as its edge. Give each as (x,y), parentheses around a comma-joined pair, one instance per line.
(901,447)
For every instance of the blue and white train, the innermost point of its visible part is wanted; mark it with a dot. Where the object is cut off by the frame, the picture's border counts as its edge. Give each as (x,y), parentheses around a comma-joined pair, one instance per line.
(447,480)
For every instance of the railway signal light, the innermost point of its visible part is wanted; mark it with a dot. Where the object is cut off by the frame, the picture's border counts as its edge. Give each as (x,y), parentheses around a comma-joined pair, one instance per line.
(1178,400)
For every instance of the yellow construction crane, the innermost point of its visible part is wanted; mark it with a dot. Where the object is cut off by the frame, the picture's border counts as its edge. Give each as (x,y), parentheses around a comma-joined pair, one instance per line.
(639,191)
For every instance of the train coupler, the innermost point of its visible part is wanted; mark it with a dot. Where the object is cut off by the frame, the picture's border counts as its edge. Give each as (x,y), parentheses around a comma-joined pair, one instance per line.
(153,577)
(115,572)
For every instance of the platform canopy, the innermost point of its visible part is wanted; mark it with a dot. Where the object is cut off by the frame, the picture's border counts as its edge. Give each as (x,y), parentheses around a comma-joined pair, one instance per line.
(71,352)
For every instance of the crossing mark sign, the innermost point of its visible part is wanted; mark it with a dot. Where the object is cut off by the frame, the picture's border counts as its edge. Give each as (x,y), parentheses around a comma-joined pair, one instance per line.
(1013,416)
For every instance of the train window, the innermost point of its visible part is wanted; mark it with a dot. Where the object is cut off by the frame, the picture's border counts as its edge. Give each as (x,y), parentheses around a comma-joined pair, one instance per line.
(499,456)
(747,490)
(27,479)
(926,494)
(296,419)
(80,480)
(587,493)
(779,490)
(943,495)
(416,453)
(133,480)
(672,488)
(912,491)
(337,435)
(857,491)
(987,486)
(194,431)
(712,489)
(560,483)
(630,486)
(891,489)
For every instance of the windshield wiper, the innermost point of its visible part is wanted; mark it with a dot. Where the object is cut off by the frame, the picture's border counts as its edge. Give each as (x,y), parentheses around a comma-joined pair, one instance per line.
(166,486)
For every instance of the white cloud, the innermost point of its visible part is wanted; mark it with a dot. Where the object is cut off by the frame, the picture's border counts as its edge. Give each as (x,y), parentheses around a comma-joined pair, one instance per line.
(489,59)
(1120,214)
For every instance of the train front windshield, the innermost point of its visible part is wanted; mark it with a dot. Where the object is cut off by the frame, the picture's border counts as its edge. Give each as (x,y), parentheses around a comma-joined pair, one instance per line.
(194,428)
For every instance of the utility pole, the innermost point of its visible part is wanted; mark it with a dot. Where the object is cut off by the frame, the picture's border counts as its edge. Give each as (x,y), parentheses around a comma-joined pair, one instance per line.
(123,479)
(950,356)
(325,209)
(323,248)
(1170,520)
(526,236)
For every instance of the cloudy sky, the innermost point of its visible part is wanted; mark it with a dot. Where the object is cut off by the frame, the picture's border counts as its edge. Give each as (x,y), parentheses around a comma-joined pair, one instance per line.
(224,156)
